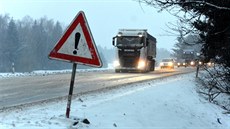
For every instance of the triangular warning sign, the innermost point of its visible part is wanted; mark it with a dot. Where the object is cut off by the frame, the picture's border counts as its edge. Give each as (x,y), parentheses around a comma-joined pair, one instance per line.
(77,44)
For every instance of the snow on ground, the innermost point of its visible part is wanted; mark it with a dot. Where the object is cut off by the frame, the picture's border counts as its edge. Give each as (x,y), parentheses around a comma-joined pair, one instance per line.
(48,72)
(170,103)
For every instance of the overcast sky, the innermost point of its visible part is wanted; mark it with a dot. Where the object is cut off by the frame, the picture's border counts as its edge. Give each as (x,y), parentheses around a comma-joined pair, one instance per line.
(105,17)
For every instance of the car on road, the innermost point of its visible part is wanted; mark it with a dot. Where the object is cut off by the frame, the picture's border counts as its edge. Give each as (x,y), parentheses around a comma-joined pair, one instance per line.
(167,63)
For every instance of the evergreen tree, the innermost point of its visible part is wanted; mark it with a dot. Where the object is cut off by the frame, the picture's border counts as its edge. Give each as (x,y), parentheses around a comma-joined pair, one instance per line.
(3,29)
(26,51)
(11,46)
(178,48)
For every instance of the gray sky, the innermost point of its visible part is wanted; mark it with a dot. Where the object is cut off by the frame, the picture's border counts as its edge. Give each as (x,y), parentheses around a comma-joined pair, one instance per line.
(105,17)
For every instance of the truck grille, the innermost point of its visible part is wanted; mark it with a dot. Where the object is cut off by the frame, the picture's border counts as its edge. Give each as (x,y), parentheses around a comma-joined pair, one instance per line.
(129,58)
(129,62)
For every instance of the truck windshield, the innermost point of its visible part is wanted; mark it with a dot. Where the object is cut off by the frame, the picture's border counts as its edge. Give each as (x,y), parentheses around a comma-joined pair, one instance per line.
(129,41)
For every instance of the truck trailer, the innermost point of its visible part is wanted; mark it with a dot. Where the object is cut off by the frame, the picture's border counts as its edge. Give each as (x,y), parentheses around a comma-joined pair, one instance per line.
(135,50)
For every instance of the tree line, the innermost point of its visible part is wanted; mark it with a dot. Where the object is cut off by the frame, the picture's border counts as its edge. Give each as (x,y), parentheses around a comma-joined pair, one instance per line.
(25,44)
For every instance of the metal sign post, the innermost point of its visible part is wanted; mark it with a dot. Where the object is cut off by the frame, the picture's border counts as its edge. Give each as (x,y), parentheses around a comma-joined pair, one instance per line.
(71,90)
(197,70)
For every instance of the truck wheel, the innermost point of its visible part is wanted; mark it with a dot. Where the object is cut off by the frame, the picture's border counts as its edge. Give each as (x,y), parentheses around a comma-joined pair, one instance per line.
(153,67)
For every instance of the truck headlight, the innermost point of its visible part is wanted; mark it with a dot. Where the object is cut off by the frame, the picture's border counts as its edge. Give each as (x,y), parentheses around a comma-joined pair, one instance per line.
(192,63)
(141,64)
(178,63)
(116,63)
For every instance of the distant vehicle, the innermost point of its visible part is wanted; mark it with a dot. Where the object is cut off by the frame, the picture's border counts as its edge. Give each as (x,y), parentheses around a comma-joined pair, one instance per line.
(189,57)
(167,63)
(181,63)
(210,63)
(135,50)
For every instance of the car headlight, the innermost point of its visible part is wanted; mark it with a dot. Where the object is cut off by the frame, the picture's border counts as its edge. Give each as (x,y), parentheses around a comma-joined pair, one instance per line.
(200,63)
(209,63)
(116,63)
(178,63)
(141,64)
(170,64)
(184,63)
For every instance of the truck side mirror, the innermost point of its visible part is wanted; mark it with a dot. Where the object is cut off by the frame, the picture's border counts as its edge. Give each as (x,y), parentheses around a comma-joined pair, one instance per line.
(142,40)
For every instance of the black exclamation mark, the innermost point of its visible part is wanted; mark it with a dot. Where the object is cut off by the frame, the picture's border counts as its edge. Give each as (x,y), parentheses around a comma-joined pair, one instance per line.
(77,38)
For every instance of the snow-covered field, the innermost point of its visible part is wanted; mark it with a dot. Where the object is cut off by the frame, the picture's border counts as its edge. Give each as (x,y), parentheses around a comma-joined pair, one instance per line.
(170,103)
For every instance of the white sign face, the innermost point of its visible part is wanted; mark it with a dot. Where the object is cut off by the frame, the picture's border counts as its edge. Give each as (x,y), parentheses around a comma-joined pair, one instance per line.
(77,44)
(81,47)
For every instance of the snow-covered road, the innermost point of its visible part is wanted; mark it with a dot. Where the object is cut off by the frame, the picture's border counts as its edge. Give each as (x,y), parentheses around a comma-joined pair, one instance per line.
(170,103)
(46,85)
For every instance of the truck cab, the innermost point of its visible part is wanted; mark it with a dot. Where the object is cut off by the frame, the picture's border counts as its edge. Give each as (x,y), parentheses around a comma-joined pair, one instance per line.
(135,50)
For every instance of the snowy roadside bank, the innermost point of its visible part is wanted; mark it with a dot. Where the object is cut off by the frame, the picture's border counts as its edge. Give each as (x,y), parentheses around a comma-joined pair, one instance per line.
(162,104)
(49,72)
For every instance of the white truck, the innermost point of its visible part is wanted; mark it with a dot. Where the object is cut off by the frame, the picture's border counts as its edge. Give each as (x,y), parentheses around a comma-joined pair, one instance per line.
(135,50)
